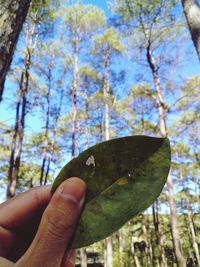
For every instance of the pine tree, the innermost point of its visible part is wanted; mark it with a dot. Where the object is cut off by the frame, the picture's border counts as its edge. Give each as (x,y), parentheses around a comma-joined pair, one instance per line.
(107,45)
(80,21)
(148,18)
(12,17)
(30,33)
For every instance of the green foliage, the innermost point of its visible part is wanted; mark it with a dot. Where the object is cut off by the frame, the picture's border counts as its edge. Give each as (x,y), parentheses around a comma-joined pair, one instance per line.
(43,10)
(28,177)
(148,11)
(5,140)
(87,72)
(41,15)
(121,259)
(81,20)
(109,42)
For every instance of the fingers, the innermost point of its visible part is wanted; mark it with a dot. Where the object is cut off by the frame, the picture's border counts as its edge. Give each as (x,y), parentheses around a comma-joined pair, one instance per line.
(6,241)
(19,220)
(57,225)
(18,210)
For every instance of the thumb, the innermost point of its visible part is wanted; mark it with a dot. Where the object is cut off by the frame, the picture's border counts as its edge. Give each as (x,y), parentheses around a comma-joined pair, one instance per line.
(57,225)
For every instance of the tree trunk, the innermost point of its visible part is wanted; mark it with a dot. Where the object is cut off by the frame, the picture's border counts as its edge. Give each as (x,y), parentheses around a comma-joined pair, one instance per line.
(11,183)
(86,119)
(109,252)
(192,14)
(153,249)
(12,17)
(193,234)
(157,234)
(23,115)
(121,246)
(83,254)
(105,253)
(74,98)
(174,225)
(161,256)
(46,135)
(181,262)
(147,237)
(54,136)
(135,257)
(147,233)
(106,93)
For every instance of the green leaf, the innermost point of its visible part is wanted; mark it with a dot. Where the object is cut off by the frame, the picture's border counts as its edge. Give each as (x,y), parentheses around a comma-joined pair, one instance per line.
(124,176)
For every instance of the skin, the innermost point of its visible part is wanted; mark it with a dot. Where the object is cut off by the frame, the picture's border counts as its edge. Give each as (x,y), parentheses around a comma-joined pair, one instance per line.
(36,228)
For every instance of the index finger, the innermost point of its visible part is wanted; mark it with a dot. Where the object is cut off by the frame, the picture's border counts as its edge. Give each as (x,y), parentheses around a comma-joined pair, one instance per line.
(16,211)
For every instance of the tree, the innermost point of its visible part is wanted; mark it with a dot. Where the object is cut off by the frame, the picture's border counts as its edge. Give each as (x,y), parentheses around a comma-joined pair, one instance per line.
(154,21)
(192,14)
(89,84)
(5,140)
(80,21)
(49,92)
(15,156)
(187,153)
(12,17)
(107,45)
(35,17)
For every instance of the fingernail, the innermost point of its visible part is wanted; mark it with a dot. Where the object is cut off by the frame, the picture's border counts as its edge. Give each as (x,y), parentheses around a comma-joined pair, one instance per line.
(73,189)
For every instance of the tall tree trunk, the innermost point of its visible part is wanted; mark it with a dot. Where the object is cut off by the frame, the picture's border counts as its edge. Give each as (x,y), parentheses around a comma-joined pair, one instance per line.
(161,256)
(23,115)
(157,234)
(74,98)
(11,183)
(146,238)
(192,14)
(109,251)
(83,254)
(121,246)
(106,93)
(86,119)
(192,232)
(147,233)
(181,262)
(46,135)
(135,257)
(54,136)
(105,253)
(153,249)
(12,17)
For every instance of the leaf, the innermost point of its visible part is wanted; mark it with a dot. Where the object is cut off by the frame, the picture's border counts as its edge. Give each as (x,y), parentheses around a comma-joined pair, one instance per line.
(124,176)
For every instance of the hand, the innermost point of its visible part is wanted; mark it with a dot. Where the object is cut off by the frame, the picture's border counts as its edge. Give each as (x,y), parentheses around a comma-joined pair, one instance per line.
(36,227)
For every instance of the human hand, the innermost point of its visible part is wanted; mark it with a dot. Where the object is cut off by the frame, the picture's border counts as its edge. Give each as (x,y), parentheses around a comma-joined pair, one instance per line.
(36,228)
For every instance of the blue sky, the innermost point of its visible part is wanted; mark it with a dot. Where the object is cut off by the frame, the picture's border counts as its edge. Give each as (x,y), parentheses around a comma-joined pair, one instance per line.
(100,3)
(7,113)
(191,68)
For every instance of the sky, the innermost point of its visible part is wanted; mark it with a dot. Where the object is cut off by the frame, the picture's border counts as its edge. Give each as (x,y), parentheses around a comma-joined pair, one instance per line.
(192,67)
(100,3)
